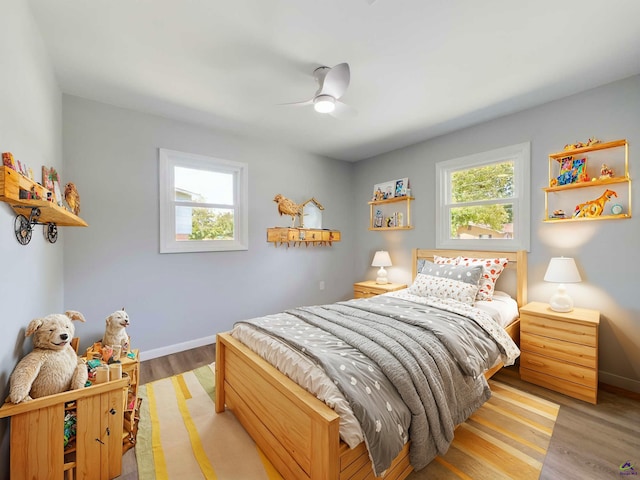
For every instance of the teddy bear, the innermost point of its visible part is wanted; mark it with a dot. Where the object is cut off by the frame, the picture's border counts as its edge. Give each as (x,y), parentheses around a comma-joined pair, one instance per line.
(115,332)
(53,365)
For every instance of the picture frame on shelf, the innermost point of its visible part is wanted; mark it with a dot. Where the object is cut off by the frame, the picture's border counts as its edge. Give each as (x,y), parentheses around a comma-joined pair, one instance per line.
(58,193)
(47,180)
(384,191)
(402,184)
(55,180)
(51,181)
(571,170)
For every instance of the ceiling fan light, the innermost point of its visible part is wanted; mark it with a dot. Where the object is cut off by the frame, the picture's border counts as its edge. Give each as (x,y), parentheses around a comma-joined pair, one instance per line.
(324,104)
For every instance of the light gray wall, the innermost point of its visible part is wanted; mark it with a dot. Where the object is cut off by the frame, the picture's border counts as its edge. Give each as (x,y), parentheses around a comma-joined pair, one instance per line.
(606,252)
(180,300)
(30,127)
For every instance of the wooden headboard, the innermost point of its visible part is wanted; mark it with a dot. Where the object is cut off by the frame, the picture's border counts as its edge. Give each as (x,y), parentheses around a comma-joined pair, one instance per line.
(514,283)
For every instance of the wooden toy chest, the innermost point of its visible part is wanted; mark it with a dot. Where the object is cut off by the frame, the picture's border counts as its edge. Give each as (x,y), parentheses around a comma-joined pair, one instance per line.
(37,434)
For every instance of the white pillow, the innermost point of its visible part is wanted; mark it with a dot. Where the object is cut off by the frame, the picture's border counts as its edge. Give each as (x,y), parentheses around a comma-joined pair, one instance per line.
(443,287)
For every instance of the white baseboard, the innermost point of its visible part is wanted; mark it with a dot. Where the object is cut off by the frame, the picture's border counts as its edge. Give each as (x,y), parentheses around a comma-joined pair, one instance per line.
(178,347)
(618,381)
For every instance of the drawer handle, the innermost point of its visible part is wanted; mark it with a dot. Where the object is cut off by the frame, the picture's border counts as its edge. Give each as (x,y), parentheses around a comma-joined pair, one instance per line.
(577,375)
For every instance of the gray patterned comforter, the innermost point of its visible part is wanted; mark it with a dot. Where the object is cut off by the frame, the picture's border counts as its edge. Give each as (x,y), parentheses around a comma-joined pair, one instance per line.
(408,370)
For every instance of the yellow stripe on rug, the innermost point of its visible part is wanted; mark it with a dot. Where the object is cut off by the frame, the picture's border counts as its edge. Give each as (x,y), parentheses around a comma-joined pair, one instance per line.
(159,464)
(183,394)
(180,436)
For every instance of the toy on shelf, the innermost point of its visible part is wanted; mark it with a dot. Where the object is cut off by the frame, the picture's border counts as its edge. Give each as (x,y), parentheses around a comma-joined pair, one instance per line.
(8,160)
(72,198)
(115,332)
(288,207)
(574,146)
(378,219)
(53,365)
(594,208)
(606,172)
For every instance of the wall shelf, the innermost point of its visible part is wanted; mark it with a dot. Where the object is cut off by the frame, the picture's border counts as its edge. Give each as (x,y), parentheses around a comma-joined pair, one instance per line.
(578,191)
(383,206)
(33,211)
(594,183)
(302,236)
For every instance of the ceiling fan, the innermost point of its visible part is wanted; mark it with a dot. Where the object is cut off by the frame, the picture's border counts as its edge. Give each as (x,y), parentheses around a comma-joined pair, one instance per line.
(332,85)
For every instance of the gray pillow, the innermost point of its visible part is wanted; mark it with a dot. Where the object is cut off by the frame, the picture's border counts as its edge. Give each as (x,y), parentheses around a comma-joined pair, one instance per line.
(470,275)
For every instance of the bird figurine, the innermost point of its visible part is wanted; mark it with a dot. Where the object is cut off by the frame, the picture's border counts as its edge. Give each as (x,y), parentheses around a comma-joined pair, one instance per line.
(72,197)
(288,207)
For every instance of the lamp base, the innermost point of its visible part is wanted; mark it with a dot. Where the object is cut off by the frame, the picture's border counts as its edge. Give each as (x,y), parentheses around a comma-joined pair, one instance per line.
(560,301)
(382,276)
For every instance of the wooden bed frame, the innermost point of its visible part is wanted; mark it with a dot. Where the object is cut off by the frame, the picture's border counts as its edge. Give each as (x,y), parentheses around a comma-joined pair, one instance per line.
(296,431)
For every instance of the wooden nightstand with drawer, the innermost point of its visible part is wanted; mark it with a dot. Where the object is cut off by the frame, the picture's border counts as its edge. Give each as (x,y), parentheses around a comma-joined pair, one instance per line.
(559,351)
(370,288)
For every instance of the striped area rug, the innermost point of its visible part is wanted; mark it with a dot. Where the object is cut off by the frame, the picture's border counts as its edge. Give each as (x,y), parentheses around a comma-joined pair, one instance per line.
(180,436)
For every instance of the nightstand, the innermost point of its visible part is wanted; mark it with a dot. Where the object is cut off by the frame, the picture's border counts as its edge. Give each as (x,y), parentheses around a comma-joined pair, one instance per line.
(559,351)
(370,288)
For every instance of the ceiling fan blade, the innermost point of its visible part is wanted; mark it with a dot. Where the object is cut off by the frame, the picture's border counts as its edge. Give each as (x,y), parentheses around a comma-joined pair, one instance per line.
(343,110)
(336,81)
(298,104)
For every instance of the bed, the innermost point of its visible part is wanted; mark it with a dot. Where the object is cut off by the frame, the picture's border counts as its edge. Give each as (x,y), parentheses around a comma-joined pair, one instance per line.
(301,434)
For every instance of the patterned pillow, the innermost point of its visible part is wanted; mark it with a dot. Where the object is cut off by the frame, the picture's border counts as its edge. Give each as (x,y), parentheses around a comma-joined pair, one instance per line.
(492,268)
(439,260)
(443,287)
(460,273)
(446,260)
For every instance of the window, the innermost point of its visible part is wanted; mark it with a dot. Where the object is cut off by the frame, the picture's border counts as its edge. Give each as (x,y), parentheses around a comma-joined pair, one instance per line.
(484,200)
(203,203)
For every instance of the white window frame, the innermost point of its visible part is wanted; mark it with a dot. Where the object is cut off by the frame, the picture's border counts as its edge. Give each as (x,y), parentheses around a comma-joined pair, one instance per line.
(168,160)
(520,154)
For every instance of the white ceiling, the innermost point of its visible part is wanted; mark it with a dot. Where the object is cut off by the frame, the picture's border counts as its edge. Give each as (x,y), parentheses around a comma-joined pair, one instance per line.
(419,68)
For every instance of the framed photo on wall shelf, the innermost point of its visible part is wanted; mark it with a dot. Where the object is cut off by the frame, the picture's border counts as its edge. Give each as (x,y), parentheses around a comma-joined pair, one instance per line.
(47,180)
(391,189)
(384,191)
(572,170)
(401,187)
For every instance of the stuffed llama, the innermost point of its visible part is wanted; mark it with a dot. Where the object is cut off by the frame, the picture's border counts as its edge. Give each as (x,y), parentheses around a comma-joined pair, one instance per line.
(53,366)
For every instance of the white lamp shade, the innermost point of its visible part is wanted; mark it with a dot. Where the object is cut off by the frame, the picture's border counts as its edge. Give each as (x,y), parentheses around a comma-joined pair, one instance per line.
(381,259)
(562,270)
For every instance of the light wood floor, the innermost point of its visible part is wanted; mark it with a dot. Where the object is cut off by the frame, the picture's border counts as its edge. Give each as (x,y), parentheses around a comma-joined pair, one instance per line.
(589,441)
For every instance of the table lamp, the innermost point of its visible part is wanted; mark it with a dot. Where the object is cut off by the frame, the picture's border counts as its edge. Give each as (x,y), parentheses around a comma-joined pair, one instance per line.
(381,259)
(562,270)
